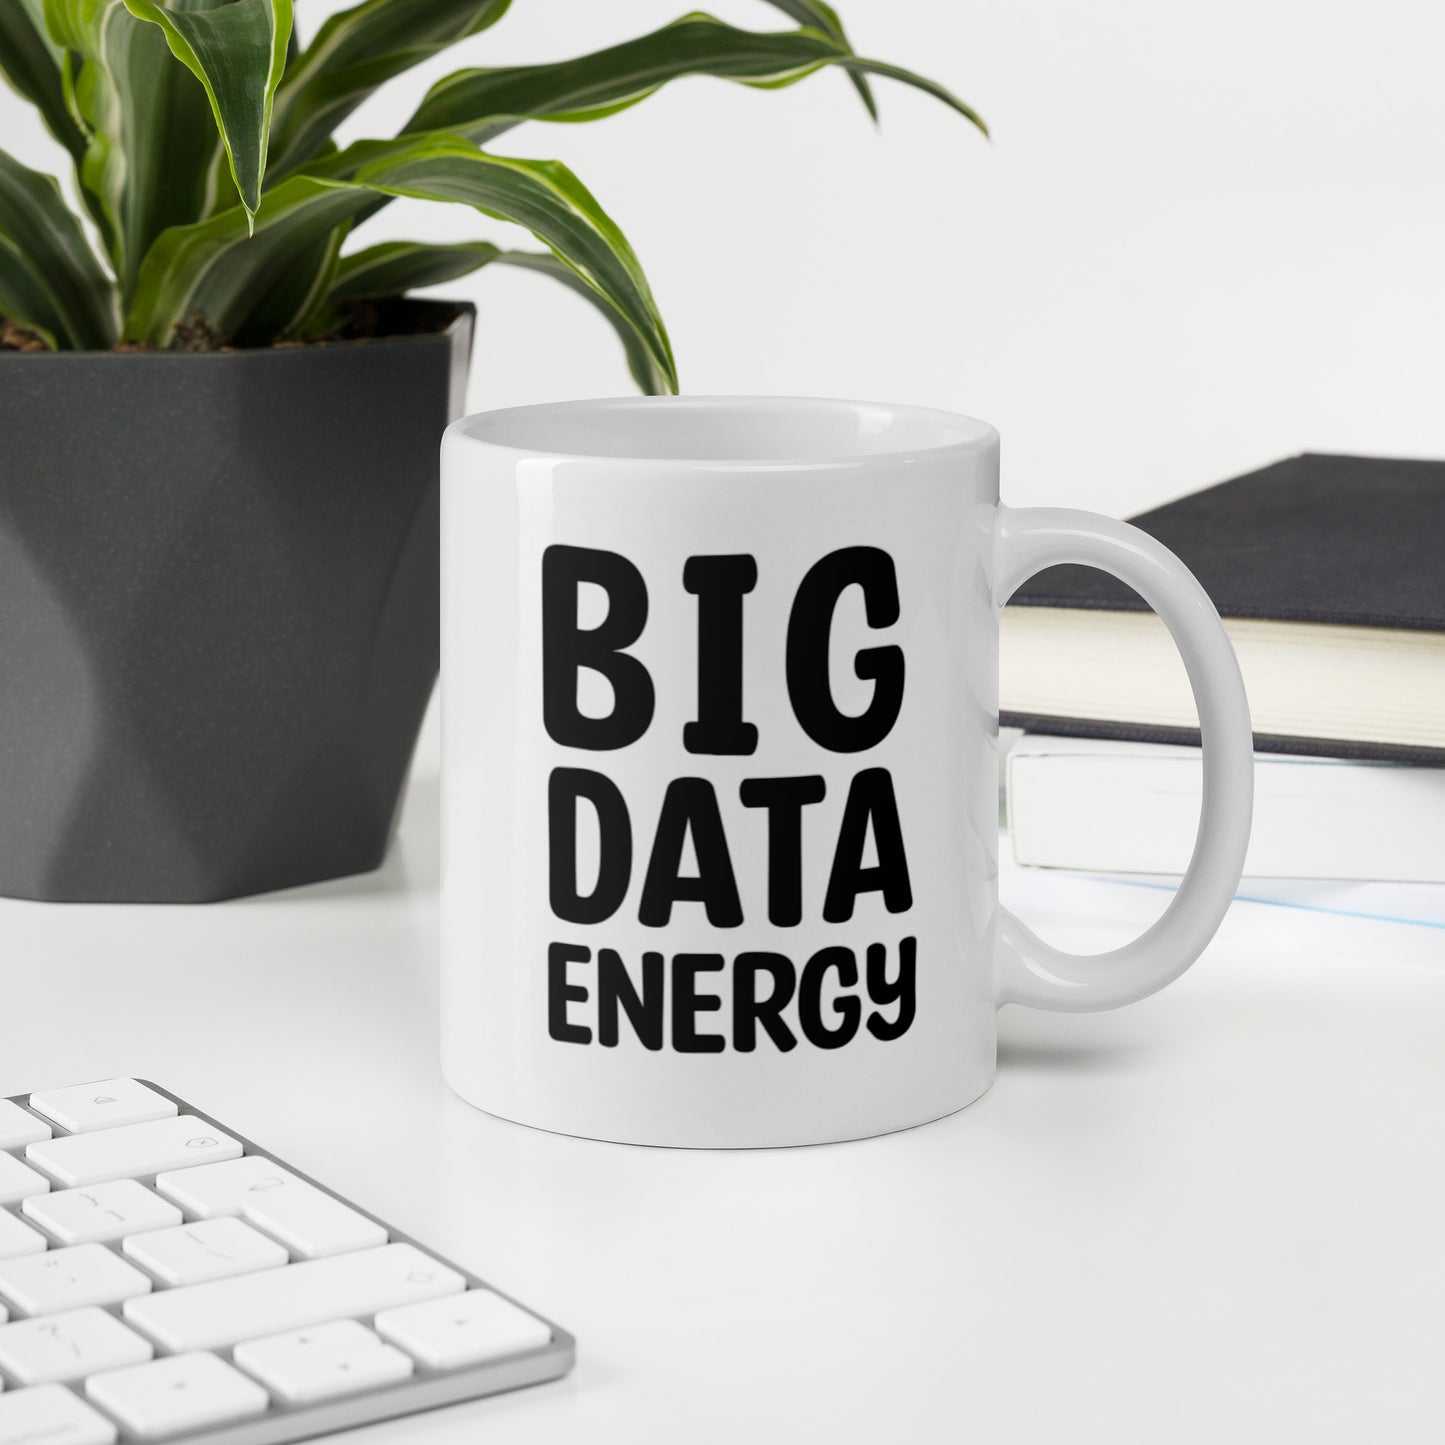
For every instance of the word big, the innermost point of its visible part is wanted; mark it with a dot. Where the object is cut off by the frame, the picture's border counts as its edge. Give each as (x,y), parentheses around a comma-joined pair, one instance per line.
(719,584)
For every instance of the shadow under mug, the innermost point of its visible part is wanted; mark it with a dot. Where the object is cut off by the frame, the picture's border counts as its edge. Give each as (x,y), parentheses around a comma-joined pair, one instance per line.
(720,735)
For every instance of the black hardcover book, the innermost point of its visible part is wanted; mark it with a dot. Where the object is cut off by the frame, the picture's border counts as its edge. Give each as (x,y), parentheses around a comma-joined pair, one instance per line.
(1330,574)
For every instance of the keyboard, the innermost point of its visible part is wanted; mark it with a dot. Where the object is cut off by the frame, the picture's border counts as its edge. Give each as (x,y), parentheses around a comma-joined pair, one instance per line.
(162,1278)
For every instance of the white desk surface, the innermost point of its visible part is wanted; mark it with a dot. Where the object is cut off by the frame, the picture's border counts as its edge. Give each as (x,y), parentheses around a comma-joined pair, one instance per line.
(1216,1215)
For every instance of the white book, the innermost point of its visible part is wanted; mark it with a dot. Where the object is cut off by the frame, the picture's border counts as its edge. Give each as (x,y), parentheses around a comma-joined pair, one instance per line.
(1124,807)
(1379,686)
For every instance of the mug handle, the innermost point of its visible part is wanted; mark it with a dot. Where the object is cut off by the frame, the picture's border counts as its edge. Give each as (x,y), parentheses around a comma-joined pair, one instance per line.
(1032,972)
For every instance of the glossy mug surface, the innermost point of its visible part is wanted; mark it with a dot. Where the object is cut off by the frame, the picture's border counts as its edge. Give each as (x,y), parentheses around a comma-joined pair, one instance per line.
(720,691)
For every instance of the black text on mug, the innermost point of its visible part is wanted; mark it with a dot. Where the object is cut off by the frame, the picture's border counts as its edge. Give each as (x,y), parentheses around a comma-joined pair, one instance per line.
(593,995)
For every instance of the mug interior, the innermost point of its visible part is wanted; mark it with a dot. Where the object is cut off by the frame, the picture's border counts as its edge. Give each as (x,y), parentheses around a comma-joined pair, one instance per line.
(781,431)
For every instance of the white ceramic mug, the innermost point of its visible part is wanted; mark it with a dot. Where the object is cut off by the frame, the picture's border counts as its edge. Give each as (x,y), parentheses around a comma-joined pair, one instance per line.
(720,783)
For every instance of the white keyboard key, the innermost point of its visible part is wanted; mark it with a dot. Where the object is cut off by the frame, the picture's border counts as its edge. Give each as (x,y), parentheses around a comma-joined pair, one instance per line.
(471,1329)
(58,1349)
(51,1415)
(177,1395)
(18,1181)
(293,1346)
(100,1214)
(212,1316)
(17,1128)
(17,1238)
(83,1108)
(305,1367)
(132,1151)
(209,1249)
(68,1279)
(307,1220)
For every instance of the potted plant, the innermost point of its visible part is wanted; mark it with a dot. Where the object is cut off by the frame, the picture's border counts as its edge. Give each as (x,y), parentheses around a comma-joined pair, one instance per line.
(218,432)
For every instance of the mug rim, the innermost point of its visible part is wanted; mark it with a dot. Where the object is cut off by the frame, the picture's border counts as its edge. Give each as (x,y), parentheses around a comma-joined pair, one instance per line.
(865,433)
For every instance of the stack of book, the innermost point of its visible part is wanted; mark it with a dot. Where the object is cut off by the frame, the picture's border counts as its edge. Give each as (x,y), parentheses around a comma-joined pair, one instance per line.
(1329,572)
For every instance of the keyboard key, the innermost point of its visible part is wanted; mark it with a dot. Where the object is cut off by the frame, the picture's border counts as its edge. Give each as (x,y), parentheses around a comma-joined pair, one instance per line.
(307,1220)
(17,1181)
(58,1349)
(83,1108)
(274,1351)
(470,1329)
(132,1151)
(176,1395)
(212,1316)
(304,1367)
(68,1279)
(17,1128)
(210,1249)
(51,1415)
(17,1238)
(100,1214)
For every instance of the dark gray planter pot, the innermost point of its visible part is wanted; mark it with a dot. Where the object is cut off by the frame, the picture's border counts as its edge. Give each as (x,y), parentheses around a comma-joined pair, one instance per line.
(218,610)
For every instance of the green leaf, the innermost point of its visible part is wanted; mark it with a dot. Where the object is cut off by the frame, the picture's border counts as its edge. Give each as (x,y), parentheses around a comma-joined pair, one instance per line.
(481,104)
(859,65)
(237,51)
(300,295)
(219,274)
(641,362)
(543,196)
(31,64)
(395,267)
(150,160)
(210,270)
(24,298)
(48,265)
(815,15)
(358,50)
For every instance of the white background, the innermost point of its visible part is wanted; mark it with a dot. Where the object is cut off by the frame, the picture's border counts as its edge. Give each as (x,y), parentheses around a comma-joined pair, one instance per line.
(1201,239)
